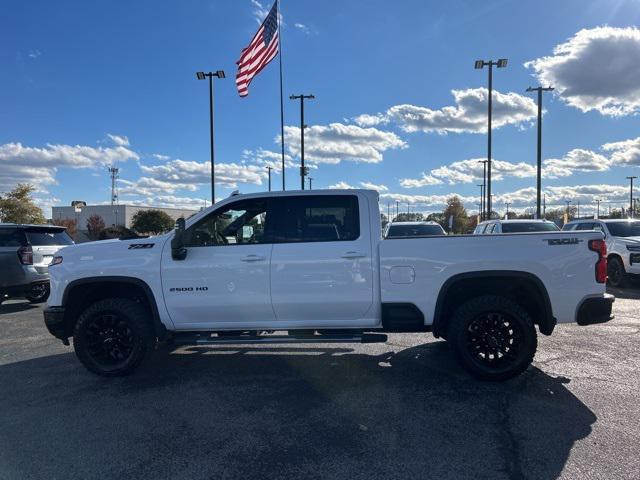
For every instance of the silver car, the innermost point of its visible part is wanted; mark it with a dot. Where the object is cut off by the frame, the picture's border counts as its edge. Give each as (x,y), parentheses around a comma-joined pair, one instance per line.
(25,254)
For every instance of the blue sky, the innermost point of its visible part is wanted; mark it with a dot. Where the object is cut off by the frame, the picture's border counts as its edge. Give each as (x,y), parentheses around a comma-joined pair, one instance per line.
(86,84)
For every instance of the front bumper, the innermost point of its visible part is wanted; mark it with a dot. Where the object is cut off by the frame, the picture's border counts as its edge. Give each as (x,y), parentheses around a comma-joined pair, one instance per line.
(595,310)
(54,321)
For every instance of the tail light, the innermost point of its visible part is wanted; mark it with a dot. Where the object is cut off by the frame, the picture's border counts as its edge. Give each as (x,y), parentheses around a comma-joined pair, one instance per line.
(26,255)
(600,247)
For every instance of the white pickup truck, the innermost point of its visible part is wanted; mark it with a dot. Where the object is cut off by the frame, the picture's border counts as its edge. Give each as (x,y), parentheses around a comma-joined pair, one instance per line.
(311,266)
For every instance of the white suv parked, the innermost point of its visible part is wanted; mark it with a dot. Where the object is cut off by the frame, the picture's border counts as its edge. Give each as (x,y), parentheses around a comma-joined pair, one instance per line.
(623,246)
(514,226)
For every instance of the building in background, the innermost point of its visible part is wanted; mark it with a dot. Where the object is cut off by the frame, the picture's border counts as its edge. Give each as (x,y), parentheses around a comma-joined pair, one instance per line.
(113,215)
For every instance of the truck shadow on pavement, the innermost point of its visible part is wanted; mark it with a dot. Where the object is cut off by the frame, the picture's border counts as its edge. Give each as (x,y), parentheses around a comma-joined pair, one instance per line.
(282,412)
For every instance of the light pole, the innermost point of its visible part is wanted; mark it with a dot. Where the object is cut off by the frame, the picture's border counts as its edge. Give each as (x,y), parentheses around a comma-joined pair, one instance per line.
(598,207)
(568,202)
(507,205)
(481,200)
(484,188)
(202,76)
(302,125)
(269,170)
(539,152)
(631,195)
(310,183)
(479,64)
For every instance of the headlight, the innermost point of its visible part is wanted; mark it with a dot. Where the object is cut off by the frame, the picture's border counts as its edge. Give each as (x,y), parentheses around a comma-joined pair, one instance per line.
(57,260)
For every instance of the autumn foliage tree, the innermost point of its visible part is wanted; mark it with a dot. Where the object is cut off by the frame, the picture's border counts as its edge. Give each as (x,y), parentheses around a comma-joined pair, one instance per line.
(17,206)
(69,224)
(95,225)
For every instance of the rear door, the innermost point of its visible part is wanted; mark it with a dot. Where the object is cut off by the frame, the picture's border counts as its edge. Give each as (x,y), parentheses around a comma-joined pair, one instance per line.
(11,239)
(321,263)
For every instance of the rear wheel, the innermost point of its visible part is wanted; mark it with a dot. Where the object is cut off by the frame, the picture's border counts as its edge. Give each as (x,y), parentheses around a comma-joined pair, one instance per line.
(493,337)
(38,293)
(616,274)
(113,336)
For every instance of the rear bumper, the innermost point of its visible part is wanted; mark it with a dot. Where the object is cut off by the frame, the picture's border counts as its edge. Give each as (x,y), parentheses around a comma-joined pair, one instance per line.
(54,321)
(594,310)
(21,290)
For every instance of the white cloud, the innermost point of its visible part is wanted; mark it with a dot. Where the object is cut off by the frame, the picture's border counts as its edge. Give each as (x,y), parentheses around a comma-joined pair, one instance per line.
(596,69)
(34,53)
(626,152)
(366,120)
(341,186)
(260,11)
(557,195)
(577,159)
(120,140)
(469,115)
(337,142)
(269,158)
(185,172)
(423,181)
(303,28)
(373,186)
(38,166)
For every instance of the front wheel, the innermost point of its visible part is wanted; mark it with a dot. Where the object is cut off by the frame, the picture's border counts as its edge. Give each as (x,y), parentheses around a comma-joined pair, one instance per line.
(493,337)
(616,275)
(113,336)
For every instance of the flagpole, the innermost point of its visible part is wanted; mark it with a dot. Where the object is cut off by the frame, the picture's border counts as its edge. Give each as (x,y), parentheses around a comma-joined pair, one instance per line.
(281,96)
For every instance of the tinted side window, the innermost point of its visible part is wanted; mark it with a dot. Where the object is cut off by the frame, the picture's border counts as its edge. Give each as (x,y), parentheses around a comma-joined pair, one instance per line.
(238,223)
(315,218)
(39,237)
(11,237)
(585,226)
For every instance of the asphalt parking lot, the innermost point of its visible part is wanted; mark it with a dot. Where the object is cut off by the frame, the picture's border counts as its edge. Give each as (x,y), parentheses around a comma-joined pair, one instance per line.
(398,410)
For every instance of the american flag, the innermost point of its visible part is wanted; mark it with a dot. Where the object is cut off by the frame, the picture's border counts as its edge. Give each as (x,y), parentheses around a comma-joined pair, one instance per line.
(262,49)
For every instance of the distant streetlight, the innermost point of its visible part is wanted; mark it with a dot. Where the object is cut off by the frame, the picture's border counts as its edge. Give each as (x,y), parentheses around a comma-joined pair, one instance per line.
(310,183)
(269,170)
(484,188)
(202,76)
(507,205)
(481,210)
(539,151)
(631,195)
(301,97)
(598,208)
(479,64)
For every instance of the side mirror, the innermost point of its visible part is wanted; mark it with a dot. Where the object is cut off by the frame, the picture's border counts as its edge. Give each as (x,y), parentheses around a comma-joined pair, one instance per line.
(178,250)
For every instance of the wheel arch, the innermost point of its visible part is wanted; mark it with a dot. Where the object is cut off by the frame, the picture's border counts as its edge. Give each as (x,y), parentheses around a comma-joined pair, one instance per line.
(81,293)
(510,283)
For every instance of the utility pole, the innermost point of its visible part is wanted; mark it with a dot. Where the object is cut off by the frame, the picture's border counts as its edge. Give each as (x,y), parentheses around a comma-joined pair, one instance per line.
(631,195)
(202,76)
(302,97)
(269,169)
(598,207)
(479,64)
(539,153)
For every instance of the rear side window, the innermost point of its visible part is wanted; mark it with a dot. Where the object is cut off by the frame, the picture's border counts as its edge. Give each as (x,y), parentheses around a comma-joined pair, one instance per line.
(39,237)
(585,226)
(524,227)
(315,218)
(414,230)
(11,237)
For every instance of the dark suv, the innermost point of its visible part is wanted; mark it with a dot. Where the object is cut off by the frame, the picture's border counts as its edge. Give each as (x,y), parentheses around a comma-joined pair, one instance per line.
(25,254)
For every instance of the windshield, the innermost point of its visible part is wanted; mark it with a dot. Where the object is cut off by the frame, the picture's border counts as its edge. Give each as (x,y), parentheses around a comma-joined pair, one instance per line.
(414,230)
(522,227)
(624,229)
(39,237)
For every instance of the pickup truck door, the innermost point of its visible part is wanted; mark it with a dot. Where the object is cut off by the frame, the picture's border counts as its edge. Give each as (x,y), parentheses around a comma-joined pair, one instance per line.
(224,280)
(321,264)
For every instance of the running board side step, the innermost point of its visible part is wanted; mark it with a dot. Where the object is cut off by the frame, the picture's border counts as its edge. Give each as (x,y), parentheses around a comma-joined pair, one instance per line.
(208,339)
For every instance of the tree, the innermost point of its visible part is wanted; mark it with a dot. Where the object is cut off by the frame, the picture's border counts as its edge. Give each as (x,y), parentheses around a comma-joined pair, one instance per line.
(119,231)
(152,221)
(95,225)
(69,224)
(18,206)
(456,210)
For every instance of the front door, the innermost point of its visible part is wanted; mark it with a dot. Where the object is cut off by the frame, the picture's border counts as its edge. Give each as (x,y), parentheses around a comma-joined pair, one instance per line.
(223,283)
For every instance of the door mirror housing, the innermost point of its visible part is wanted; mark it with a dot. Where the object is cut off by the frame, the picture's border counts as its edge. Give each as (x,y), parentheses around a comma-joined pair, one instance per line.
(178,250)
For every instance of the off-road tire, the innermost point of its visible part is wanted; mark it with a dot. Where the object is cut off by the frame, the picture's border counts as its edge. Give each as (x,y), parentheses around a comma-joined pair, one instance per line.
(113,336)
(493,337)
(616,274)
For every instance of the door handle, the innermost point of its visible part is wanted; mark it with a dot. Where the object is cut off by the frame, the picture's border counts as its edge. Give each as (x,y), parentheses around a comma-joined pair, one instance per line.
(353,255)
(253,258)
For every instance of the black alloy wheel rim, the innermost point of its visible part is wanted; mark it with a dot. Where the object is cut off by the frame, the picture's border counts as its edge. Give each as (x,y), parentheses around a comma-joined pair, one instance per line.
(614,273)
(494,339)
(110,340)
(38,291)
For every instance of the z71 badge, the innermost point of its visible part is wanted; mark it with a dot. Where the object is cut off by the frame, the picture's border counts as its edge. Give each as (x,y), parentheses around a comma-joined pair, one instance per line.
(563,241)
(136,246)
